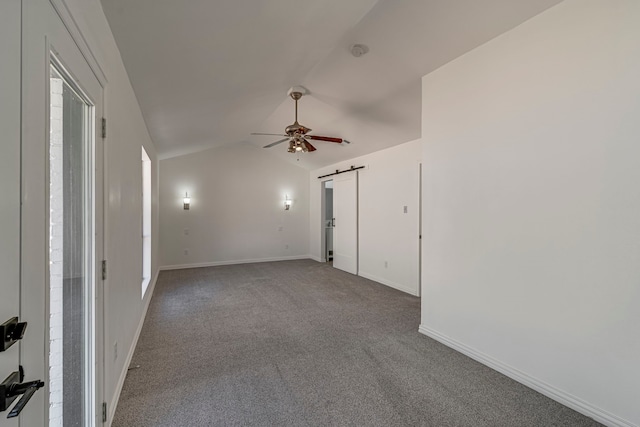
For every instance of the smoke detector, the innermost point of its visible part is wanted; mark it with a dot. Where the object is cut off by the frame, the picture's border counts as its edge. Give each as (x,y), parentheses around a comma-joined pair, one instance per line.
(358,50)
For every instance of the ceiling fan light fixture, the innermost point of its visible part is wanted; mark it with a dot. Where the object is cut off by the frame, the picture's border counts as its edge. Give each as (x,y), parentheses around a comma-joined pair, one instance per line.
(292,147)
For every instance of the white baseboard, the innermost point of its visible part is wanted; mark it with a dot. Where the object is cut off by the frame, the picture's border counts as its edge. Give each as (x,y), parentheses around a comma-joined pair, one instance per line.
(388,283)
(113,404)
(548,390)
(233,262)
(316,258)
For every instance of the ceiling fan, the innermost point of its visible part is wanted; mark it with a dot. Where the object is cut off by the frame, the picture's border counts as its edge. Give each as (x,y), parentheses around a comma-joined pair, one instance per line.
(296,133)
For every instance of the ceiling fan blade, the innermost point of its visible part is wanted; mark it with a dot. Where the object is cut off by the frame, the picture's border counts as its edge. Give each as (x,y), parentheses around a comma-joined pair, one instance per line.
(325,138)
(269,134)
(276,143)
(309,146)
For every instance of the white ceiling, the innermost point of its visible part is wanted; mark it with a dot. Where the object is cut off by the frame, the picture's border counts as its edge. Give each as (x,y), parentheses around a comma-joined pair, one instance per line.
(208,73)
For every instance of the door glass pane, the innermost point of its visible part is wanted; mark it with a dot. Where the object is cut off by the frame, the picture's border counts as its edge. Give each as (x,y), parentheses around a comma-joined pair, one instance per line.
(146,221)
(70,252)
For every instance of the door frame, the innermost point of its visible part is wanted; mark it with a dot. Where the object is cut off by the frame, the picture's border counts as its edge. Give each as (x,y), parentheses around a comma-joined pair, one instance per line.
(323,208)
(49,29)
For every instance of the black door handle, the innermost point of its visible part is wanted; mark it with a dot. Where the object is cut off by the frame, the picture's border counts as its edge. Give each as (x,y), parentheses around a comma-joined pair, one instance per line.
(26,390)
(11,331)
(12,387)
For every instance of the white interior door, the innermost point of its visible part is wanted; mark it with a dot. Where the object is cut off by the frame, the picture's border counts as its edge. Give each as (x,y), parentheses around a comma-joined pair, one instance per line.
(9,183)
(61,217)
(345,231)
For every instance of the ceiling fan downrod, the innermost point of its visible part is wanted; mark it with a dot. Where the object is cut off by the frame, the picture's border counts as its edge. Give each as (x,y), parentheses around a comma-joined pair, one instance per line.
(296,96)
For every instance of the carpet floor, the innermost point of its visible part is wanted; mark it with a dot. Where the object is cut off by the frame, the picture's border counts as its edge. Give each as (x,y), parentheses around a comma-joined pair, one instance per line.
(299,343)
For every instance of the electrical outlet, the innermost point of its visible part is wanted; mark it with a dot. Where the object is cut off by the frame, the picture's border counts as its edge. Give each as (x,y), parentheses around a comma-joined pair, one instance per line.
(286,246)
(386,264)
(186,251)
(280,228)
(405,209)
(115,350)
(186,231)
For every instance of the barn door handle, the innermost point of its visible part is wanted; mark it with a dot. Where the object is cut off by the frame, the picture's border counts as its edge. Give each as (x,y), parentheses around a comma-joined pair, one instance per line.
(333,222)
(12,387)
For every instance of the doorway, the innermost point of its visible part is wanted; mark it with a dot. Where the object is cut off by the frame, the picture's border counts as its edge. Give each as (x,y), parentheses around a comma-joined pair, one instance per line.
(327,220)
(71,251)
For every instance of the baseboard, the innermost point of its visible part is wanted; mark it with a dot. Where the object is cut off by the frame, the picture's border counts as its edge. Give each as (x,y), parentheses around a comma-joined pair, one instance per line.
(548,390)
(387,283)
(113,404)
(233,262)
(316,258)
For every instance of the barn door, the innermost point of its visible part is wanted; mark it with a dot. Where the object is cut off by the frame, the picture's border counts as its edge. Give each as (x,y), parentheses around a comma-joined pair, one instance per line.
(345,231)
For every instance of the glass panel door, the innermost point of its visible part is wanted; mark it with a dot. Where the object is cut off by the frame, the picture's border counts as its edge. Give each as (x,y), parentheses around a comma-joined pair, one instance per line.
(71,249)
(10,29)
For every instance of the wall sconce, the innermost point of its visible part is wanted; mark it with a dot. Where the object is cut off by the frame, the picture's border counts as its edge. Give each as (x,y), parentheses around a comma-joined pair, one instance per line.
(287,203)
(186,201)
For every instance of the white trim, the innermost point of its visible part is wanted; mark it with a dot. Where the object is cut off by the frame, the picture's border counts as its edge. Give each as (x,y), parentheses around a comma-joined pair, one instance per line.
(316,258)
(388,283)
(548,390)
(113,404)
(61,8)
(240,261)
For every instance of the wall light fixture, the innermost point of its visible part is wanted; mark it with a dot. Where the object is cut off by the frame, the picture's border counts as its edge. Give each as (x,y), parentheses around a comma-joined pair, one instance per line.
(186,201)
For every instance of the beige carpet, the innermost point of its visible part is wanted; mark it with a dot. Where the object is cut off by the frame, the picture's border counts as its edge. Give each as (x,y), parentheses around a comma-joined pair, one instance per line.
(299,343)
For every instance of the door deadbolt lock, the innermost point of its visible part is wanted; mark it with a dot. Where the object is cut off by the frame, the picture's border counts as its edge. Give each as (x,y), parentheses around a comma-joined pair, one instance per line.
(12,387)
(11,331)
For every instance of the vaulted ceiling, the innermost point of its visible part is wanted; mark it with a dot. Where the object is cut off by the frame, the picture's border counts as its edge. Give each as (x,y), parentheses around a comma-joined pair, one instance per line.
(208,73)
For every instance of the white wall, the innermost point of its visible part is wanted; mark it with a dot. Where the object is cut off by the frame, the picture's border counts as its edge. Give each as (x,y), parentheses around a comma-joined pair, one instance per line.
(532,204)
(237,208)
(127,132)
(389,182)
